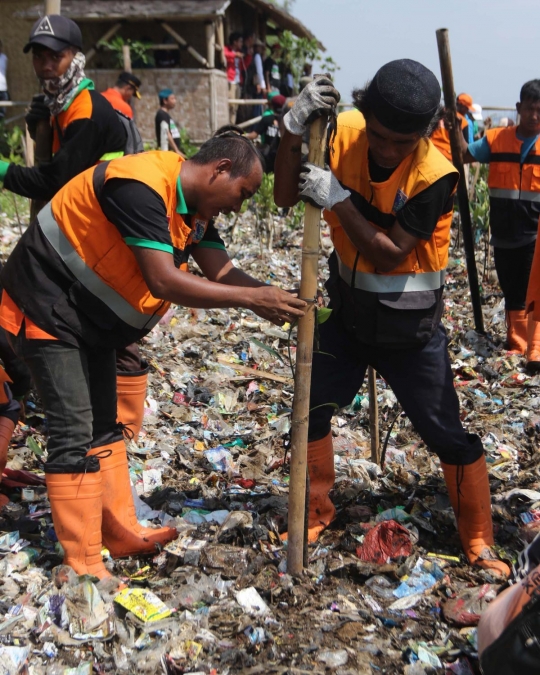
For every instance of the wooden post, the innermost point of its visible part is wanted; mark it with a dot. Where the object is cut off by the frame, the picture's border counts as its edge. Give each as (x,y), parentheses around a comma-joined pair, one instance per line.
(221,40)
(29,150)
(210,30)
(304,355)
(374,416)
(183,42)
(108,35)
(52,6)
(126,57)
(443,44)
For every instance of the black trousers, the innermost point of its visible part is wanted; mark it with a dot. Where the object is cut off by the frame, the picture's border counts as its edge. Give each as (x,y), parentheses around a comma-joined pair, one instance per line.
(513,267)
(78,390)
(421,379)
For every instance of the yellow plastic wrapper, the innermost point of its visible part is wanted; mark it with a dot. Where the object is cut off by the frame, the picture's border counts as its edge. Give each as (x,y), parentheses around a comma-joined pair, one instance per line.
(144,604)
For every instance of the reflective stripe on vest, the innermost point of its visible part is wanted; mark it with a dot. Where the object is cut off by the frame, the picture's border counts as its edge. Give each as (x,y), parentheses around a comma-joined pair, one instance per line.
(397,283)
(88,278)
(524,195)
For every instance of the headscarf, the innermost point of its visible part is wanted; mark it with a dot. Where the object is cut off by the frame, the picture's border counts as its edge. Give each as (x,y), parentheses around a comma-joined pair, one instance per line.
(59,91)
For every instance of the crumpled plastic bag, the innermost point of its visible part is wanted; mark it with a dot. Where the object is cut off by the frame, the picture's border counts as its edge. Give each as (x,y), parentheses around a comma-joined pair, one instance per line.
(386,541)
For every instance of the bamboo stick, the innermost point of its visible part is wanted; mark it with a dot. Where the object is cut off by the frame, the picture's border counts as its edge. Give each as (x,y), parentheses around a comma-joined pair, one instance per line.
(108,35)
(44,135)
(374,416)
(447,77)
(304,356)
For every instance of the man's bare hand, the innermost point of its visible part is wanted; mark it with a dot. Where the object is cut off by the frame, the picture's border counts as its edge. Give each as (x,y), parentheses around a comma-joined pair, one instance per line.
(275,305)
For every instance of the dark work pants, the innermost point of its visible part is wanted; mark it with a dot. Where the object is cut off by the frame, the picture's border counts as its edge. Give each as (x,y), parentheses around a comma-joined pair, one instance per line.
(513,267)
(129,360)
(421,379)
(78,390)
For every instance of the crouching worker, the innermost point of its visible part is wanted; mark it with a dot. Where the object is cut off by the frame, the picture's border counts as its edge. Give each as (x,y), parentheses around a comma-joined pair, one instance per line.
(509,630)
(388,196)
(95,272)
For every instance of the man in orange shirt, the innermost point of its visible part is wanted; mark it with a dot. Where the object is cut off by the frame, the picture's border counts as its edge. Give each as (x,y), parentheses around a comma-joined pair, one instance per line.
(120,96)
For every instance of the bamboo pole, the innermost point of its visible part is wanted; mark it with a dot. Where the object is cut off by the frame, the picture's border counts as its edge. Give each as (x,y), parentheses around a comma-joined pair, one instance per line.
(443,44)
(108,35)
(304,356)
(126,58)
(44,134)
(183,42)
(53,6)
(374,416)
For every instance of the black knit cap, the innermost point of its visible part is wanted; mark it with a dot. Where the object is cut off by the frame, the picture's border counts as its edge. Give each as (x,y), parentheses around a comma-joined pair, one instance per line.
(404,95)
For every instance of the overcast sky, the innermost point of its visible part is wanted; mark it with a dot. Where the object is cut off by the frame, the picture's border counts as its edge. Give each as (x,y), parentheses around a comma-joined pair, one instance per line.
(494,43)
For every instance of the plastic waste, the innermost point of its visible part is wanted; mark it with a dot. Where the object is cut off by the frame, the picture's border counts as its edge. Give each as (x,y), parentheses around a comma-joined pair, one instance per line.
(386,541)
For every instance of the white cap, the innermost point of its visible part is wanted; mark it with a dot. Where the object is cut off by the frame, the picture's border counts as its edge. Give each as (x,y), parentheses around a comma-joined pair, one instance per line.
(476,110)
(503,122)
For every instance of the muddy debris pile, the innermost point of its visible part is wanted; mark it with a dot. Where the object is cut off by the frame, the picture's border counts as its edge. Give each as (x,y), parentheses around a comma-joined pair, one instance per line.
(387,589)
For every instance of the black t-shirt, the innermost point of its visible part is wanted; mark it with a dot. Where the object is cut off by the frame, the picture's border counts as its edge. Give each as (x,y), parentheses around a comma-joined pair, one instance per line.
(271,66)
(268,128)
(420,214)
(140,216)
(163,116)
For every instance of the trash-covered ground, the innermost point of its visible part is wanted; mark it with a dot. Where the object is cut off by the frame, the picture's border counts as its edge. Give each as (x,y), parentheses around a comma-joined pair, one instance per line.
(387,589)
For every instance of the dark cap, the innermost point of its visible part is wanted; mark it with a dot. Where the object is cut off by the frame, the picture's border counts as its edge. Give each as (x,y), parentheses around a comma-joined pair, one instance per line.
(132,80)
(277,102)
(404,96)
(54,32)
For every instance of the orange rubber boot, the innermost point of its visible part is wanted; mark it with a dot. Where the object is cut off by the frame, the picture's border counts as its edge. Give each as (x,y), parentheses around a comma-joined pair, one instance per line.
(131,392)
(516,331)
(468,489)
(320,460)
(533,344)
(123,535)
(76,503)
(6,432)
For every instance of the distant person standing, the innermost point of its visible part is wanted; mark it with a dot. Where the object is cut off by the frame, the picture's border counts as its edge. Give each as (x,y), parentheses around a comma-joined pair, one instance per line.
(235,59)
(272,73)
(120,96)
(4,94)
(167,102)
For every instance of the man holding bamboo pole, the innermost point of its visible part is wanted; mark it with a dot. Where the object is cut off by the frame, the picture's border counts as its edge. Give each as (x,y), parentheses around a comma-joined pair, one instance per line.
(388,196)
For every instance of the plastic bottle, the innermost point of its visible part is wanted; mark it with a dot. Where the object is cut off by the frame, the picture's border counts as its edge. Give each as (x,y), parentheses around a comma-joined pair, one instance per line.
(15,562)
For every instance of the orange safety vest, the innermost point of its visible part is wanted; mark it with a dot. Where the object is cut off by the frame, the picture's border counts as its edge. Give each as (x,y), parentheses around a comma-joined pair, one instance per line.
(441,138)
(424,268)
(514,187)
(108,286)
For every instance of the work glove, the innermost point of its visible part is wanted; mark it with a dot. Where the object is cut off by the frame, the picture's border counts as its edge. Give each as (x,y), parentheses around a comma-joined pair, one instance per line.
(37,112)
(318,97)
(320,187)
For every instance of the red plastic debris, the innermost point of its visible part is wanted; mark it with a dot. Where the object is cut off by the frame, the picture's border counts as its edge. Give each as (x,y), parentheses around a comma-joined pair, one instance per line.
(467,607)
(386,541)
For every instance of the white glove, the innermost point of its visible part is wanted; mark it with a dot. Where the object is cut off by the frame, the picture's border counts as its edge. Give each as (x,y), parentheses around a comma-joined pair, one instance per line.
(319,96)
(320,187)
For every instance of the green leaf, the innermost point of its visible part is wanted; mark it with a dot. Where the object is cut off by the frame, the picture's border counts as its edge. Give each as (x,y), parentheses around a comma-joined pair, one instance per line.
(34,446)
(268,349)
(323,314)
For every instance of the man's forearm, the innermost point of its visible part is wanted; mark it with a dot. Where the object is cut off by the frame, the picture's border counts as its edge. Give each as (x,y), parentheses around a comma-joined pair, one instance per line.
(236,277)
(287,169)
(183,288)
(376,246)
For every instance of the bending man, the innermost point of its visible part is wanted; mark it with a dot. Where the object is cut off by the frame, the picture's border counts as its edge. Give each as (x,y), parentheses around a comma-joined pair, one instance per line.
(95,272)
